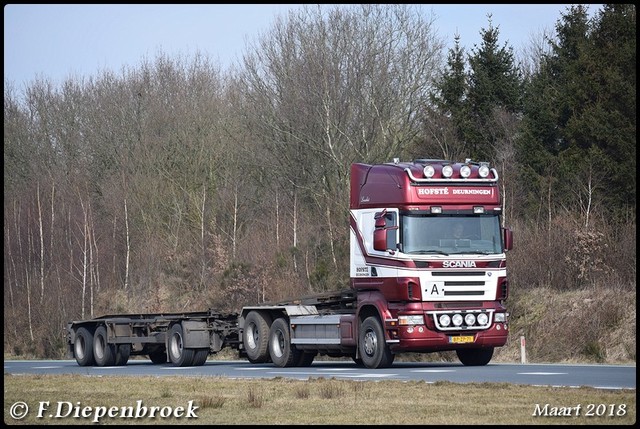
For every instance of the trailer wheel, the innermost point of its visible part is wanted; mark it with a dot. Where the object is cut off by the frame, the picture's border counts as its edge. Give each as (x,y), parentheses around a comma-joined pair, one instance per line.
(103,352)
(475,357)
(282,352)
(256,336)
(158,356)
(178,354)
(123,351)
(200,357)
(374,351)
(83,347)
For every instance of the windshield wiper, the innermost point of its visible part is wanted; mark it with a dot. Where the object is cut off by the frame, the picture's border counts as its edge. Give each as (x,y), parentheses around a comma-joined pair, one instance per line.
(475,252)
(427,252)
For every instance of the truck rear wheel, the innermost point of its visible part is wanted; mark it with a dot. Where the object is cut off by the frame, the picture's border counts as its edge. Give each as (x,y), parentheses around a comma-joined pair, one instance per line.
(373,348)
(200,357)
(83,347)
(282,352)
(256,336)
(178,354)
(475,357)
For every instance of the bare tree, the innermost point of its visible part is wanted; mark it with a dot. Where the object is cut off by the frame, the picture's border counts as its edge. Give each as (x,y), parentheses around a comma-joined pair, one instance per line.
(328,87)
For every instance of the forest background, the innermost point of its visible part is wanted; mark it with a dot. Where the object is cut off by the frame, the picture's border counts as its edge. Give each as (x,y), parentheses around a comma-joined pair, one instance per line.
(176,185)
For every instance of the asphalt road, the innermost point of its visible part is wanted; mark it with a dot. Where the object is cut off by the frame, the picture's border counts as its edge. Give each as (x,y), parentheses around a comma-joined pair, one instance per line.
(560,375)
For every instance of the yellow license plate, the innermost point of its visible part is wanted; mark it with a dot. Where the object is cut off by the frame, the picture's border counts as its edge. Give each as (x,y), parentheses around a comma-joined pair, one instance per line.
(461,339)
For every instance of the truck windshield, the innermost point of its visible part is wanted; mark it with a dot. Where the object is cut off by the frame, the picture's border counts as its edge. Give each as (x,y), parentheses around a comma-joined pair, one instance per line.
(479,234)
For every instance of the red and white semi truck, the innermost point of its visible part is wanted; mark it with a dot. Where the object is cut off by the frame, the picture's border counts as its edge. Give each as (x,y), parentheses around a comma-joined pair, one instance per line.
(428,273)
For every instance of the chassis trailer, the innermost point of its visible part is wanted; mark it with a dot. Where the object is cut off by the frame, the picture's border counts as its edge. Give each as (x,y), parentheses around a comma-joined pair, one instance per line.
(285,333)
(427,273)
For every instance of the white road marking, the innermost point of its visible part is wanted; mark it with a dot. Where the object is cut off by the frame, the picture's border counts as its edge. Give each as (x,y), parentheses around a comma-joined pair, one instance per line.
(335,369)
(433,370)
(341,375)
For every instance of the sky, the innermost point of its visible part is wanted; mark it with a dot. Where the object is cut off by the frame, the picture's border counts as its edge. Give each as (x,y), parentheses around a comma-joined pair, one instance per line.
(62,41)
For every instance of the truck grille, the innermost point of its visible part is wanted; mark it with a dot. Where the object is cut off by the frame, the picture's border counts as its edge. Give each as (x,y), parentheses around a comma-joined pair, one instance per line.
(473,285)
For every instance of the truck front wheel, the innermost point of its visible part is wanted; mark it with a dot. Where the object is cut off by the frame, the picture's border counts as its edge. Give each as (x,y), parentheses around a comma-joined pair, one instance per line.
(475,357)
(178,354)
(83,347)
(283,353)
(374,351)
(256,336)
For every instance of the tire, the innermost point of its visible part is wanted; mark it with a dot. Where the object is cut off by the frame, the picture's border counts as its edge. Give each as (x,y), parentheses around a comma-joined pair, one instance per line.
(256,336)
(306,359)
(357,361)
(123,351)
(83,347)
(103,352)
(282,352)
(475,357)
(374,351)
(178,354)
(200,357)
(158,356)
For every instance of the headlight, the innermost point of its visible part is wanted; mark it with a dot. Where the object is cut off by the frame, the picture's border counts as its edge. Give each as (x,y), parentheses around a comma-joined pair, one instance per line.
(483,171)
(482,319)
(411,320)
(457,319)
(445,320)
(470,319)
(500,317)
(447,171)
(465,171)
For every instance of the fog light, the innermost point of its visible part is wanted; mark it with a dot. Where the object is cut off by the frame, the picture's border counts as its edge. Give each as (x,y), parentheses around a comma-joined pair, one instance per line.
(483,319)
(470,319)
(500,317)
(445,320)
(457,319)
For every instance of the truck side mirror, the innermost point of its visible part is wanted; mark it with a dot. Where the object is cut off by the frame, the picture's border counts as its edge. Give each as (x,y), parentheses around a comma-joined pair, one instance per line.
(508,238)
(382,240)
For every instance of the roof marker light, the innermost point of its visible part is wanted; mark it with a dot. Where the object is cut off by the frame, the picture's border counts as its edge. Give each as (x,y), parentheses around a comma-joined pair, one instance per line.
(429,171)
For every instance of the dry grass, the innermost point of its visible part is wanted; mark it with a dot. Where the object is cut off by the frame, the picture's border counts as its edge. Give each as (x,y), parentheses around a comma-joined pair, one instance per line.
(600,323)
(315,401)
